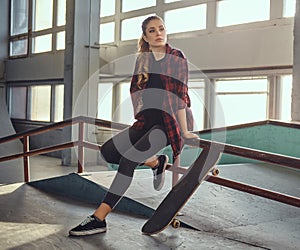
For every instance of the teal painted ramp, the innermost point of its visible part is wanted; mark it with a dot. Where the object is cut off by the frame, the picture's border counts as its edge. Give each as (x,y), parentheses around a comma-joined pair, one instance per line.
(76,187)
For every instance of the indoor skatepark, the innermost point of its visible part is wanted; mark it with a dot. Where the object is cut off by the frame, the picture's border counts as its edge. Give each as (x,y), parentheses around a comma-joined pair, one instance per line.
(51,173)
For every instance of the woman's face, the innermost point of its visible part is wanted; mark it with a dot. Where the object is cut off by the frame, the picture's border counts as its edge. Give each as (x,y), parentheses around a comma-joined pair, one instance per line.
(156,34)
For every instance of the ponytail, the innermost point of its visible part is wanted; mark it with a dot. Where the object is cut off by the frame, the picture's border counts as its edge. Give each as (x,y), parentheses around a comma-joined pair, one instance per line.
(143,50)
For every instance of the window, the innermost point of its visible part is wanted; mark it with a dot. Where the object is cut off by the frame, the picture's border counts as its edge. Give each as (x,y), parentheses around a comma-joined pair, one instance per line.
(131,28)
(61,12)
(19,17)
(124,111)
(18,41)
(231,12)
(107,32)
(18,47)
(40,101)
(241,101)
(105,97)
(107,8)
(47,24)
(196,93)
(60,40)
(43,14)
(37,102)
(129,5)
(58,103)
(286,97)
(42,43)
(289,8)
(186,19)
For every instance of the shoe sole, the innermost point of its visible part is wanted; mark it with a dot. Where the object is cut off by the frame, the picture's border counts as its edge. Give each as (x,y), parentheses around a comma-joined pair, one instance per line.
(163,175)
(89,232)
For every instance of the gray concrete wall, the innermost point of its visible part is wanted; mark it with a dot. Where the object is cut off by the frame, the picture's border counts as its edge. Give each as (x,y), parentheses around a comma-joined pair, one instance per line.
(38,67)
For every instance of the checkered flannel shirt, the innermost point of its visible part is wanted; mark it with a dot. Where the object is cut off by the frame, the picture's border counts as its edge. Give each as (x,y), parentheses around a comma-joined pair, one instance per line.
(174,75)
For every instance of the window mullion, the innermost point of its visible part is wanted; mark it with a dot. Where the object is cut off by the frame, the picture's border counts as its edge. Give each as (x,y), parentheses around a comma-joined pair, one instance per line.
(54,22)
(28,102)
(30,20)
(52,103)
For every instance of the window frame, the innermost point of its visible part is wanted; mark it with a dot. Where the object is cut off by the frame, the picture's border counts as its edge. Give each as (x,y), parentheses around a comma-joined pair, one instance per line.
(161,7)
(30,35)
(28,85)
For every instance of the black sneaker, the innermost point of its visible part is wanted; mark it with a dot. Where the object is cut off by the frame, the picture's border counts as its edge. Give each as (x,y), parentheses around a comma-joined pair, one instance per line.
(159,172)
(91,225)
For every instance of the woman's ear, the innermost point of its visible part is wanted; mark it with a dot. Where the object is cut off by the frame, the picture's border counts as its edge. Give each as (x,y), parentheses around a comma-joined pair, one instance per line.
(144,37)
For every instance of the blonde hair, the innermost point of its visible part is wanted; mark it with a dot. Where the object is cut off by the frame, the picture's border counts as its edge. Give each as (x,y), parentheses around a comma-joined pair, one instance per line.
(143,50)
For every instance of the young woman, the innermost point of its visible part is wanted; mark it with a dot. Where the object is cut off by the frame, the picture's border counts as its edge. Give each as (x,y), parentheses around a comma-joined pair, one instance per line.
(161,104)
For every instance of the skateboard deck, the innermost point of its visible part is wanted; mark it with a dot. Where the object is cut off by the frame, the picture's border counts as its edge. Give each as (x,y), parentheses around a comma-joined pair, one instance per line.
(178,196)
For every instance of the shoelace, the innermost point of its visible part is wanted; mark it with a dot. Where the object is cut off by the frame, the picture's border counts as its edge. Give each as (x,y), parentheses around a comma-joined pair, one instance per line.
(87,220)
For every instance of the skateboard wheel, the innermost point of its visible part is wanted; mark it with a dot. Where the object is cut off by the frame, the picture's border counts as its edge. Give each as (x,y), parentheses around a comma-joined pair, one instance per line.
(175,223)
(215,171)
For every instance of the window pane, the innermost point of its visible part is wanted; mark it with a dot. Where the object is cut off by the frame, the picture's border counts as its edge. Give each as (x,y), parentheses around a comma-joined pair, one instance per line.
(107,32)
(42,43)
(238,109)
(186,19)
(60,40)
(18,102)
(40,103)
(18,48)
(231,12)
(128,5)
(196,93)
(19,17)
(105,96)
(107,7)
(286,98)
(289,8)
(131,28)
(124,111)
(61,12)
(257,85)
(59,103)
(43,13)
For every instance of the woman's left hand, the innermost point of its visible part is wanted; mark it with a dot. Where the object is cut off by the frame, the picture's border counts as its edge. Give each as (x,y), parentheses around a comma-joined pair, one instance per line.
(189,135)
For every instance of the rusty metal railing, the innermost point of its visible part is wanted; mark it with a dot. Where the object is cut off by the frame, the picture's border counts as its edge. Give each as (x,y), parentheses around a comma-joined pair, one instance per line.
(81,144)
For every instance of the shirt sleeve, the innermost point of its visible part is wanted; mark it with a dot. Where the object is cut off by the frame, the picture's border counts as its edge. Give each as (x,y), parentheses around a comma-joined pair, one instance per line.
(182,80)
(133,85)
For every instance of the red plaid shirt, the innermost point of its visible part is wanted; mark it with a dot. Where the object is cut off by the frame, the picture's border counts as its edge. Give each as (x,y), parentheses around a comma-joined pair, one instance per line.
(174,75)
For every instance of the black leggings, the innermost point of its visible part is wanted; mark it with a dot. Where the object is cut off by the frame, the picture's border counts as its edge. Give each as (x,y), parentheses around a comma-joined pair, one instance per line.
(130,148)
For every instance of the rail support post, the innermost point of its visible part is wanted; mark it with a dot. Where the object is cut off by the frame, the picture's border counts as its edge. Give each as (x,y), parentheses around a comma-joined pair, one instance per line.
(26,158)
(80,147)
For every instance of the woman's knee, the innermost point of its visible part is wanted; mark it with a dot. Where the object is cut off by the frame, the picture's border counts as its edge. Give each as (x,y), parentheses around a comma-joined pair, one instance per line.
(127,166)
(106,151)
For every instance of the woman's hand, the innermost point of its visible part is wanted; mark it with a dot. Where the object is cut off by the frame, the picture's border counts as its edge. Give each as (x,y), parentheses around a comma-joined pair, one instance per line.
(189,135)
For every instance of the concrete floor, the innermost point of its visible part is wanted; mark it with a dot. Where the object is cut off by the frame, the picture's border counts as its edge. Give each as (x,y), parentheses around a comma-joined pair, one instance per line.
(226,219)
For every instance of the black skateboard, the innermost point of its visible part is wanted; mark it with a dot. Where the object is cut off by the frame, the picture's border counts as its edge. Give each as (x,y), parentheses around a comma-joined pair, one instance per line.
(168,209)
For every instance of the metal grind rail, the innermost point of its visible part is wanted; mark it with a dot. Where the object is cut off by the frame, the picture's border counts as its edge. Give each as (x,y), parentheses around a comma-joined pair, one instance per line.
(81,144)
